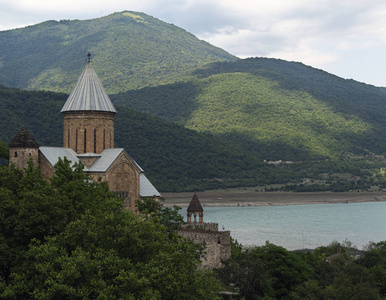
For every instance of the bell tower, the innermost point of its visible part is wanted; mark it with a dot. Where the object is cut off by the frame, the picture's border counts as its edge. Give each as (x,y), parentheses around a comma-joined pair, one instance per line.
(88,124)
(195,209)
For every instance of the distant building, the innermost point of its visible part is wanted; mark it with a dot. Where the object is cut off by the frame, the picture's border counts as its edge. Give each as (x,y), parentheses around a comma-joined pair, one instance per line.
(88,136)
(217,243)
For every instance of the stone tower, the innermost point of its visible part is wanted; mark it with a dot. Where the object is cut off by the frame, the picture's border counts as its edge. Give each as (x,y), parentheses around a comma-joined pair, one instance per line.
(88,125)
(23,147)
(217,243)
(195,208)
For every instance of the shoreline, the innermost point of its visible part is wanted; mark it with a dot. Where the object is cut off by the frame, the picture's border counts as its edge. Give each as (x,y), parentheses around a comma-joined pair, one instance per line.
(245,198)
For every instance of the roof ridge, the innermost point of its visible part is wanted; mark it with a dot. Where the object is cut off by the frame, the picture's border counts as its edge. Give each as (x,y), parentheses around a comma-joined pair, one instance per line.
(88,94)
(23,139)
(195,204)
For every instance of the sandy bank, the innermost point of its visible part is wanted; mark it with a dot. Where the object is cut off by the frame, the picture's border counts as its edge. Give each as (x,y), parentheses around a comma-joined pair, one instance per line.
(242,198)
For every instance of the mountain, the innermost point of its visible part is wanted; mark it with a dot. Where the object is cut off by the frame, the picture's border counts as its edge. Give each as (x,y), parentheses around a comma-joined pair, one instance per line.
(229,114)
(276,110)
(129,50)
(174,158)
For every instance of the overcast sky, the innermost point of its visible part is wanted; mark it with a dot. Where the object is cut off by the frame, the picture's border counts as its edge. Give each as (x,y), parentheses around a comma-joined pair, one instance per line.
(343,37)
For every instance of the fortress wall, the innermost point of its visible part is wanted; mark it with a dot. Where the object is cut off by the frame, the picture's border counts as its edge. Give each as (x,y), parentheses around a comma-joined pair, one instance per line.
(203,226)
(217,245)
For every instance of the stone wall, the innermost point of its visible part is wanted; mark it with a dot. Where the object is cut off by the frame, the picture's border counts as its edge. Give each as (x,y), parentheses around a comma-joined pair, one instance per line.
(46,169)
(20,156)
(202,226)
(123,178)
(88,131)
(217,245)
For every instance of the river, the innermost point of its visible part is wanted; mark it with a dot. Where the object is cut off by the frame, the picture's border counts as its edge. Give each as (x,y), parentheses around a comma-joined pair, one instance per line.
(302,226)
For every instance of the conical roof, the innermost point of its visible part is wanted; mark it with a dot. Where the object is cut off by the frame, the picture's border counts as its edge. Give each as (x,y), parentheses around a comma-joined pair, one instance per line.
(195,205)
(23,139)
(88,94)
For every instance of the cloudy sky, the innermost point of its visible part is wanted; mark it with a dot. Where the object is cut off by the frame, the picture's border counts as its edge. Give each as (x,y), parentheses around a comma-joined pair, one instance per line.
(343,37)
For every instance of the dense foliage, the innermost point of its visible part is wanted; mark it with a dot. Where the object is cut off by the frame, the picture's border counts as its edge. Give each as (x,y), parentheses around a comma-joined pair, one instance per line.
(276,110)
(70,238)
(130,50)
(4,150)
(260,109)
(272,272)
(173,157)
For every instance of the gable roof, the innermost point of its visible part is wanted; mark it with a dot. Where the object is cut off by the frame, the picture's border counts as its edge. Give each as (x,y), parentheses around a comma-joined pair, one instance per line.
(146,189)
(52,155)
(195,205)
(23,139)
(107,158)
(101,165)
(88,94)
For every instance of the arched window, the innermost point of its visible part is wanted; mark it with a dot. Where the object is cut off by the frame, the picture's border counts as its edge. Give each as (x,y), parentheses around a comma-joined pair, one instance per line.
(15,154)
(76,141)
(68,138)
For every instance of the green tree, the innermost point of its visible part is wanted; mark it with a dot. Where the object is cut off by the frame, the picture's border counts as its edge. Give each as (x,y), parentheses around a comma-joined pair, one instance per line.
(154,208)
(84,245)
(265,271)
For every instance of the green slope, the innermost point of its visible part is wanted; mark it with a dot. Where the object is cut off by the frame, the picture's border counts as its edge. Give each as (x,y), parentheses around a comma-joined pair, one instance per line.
(173,157)
(272,108)
(129,49)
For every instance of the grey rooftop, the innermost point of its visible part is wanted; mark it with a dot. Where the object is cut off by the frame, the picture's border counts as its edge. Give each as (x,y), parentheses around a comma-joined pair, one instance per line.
(102,164)
(88,94)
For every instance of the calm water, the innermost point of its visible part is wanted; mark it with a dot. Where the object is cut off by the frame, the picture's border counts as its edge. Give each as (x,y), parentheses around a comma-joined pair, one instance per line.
(302,226)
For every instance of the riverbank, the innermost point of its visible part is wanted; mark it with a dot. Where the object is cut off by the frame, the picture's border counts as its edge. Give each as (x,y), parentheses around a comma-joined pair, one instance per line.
(250,197)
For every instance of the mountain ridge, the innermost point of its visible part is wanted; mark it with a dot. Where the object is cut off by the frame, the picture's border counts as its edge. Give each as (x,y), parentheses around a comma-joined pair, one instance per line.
(130,50)
(285,110)
(260,108)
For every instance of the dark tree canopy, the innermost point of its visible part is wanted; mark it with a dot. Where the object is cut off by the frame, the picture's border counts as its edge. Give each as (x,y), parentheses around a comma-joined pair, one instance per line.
(70,238)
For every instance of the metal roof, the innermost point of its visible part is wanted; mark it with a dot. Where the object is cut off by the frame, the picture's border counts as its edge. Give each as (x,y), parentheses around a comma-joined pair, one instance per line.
(146,189)
(52,154)
(88,94)
(107,158)
(101,165)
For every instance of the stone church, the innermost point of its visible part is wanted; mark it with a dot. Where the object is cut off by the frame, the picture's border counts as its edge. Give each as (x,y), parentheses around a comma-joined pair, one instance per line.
(88,137)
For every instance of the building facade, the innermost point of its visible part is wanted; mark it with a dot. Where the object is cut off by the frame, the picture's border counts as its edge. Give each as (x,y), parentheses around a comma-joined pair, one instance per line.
(88,137)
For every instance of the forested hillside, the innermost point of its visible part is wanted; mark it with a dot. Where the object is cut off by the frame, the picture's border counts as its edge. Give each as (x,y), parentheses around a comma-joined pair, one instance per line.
(173,157)
(276,110)
(229,114)
(130,50)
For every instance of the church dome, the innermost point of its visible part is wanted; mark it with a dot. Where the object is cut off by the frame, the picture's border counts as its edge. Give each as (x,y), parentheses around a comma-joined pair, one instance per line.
(88,94)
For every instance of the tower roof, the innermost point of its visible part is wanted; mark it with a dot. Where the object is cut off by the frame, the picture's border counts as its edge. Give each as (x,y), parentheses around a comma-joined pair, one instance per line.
(23,139)
(88,94)
(195,205)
